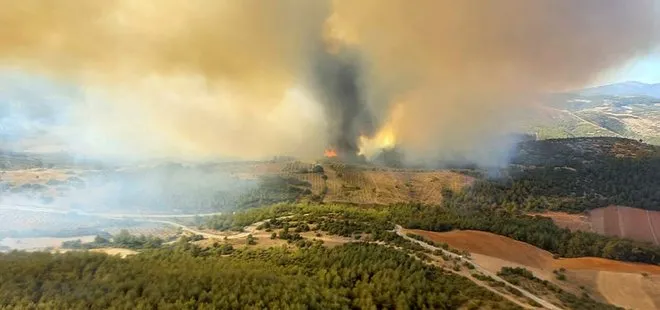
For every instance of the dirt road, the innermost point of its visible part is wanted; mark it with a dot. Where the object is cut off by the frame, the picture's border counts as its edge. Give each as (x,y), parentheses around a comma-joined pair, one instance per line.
(247,230)
(543,302)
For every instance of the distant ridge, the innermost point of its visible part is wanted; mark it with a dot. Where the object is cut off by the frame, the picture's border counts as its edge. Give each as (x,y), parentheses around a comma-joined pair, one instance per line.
(630,88)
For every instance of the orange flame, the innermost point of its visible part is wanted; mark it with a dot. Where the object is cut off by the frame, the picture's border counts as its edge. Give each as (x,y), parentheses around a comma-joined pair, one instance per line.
(330,153)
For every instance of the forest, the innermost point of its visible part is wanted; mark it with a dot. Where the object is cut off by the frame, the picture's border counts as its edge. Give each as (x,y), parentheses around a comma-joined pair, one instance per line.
(461,211)
(182,275)
(351,276)
(535,230)
(579,174)
(121,240)
(308,275)
(625,181)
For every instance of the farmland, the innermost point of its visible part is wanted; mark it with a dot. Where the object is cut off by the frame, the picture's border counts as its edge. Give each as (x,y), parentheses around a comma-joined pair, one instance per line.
(624,284)
(624,222)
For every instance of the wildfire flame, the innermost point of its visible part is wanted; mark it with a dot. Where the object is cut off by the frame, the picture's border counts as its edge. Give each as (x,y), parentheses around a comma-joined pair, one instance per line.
(330,153)
(385,138)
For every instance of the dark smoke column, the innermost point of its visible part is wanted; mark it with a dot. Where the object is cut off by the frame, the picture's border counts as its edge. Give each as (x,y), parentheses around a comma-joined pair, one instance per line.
(337,86)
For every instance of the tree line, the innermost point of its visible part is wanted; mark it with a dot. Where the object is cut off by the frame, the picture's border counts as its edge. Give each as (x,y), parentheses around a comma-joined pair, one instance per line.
(123,239)
(460,211)
(364,276)
(579,174)
(535,230)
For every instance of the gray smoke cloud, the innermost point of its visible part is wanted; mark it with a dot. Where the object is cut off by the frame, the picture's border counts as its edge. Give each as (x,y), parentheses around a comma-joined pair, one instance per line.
(337,81)
(250,79)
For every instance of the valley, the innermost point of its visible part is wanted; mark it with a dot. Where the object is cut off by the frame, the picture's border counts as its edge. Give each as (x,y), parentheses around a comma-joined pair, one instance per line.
(469,225)
(627,110)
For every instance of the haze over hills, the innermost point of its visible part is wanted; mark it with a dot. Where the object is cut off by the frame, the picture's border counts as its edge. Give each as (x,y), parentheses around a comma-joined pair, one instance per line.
(332,215)
(328,155)
(628,110)
(624,89)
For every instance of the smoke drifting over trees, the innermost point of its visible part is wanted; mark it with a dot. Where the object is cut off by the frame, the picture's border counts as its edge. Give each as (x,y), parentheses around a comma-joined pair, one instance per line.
(249,79)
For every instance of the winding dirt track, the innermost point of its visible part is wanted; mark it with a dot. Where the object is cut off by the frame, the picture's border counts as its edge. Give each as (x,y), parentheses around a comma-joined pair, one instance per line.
(158,218)
(543,302)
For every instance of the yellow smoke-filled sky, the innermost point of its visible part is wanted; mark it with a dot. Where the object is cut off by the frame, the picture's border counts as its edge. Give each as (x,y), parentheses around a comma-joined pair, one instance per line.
(205,78)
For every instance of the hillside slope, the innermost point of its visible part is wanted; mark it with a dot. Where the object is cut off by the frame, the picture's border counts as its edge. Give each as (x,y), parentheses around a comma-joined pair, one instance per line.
(601,278)
(629,110)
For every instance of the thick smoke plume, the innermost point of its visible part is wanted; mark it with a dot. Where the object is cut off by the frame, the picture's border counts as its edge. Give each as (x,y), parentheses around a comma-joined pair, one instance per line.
(255,78)
(337,81)
(173,78)
(471,69)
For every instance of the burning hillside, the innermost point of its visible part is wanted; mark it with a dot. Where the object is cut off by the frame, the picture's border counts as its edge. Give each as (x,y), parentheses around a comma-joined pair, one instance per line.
(330,153)
(248,79)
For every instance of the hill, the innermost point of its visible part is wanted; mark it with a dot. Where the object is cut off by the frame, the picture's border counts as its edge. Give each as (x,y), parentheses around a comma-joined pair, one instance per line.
(580,174)
(574,175)
(378,269)
(623,222)
(624,89)
(628,110)
(593,275)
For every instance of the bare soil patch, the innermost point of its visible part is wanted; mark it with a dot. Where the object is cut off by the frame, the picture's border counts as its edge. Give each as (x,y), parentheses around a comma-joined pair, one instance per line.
(385,186)
(624,222)
(40,243)
(603,279)
(574,222)
(34,176)
(611,223)
(492,245)
(625,290)
(602,264)
(328,240)
(115,251)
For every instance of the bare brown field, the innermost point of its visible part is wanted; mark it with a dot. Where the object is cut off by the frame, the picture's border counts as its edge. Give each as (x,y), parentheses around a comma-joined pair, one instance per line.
(654,222)
(40,243)
(148,229)
(359,184)
(492,245)
(34,176)
(115,251)
(383,186)
(328,240)
(611,223)
(263,239)
(624,222)
(574,222)
(602,264)
(629,289)
(629,285)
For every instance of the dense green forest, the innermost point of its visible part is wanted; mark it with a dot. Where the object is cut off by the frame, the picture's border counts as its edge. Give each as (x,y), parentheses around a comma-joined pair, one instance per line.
(536,230)
(121,240)
(273,189)
(579,174)
(309,275)
(622,181)
(570,175)
(359,275)
(461,211)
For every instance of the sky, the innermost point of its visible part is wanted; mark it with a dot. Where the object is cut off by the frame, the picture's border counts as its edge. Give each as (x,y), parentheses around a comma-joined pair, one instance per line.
(643,69)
